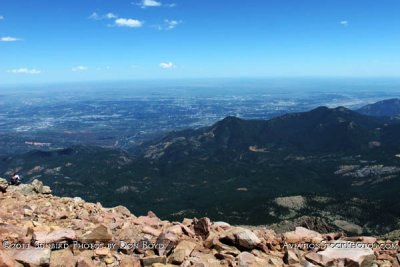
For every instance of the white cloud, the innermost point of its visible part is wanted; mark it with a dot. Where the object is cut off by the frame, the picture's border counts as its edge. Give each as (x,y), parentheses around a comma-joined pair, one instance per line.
(79,68)
(96,16)
(121,22)
(1,17)
(131,23)
(25,71)
(171,24)
(167,65)
(9,39)
(111,16)
(150,3)
(154,3)
(344,23)
(168,25)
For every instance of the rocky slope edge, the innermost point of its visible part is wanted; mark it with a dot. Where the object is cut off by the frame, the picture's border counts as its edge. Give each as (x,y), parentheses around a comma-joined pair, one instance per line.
(39,229)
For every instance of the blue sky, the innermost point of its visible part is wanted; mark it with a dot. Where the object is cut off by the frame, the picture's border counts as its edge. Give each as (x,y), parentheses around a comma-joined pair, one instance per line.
(80,40)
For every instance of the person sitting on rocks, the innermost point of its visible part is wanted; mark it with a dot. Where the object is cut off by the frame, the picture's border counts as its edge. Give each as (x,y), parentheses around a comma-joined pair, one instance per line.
(15,179)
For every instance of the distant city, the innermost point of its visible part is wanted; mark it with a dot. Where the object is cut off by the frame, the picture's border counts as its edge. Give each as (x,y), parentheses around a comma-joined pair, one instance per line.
(122,115)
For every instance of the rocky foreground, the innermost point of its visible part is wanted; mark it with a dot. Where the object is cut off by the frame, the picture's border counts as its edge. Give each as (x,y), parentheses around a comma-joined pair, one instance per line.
(38,229)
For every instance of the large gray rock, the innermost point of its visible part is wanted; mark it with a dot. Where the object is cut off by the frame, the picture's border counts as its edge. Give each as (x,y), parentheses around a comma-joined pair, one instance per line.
(246,259)
(46,190)
(241,238)
(166,243)
(182,251)
(302,234)
(40,188)
(54,237)
(348,251)
(3,185)
(37,186)
(25,189)
(33,257)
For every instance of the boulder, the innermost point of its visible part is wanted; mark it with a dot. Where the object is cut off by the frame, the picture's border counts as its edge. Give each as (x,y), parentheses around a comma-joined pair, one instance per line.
(37,186)
(273,261)
(291,257)
(122,210)
(151,231)
(182,251)
(109,260)
(319,259)
(205,260)
(223,248)
(223,225)
(147,220)
(302,234)
(46,190)
(202,227)
(56,236)
(25,189)
(349,251)
(176,229)
(100,234)
(165,243)
(3,185)
(247,239)
(33,256)
(246,259)
(13,233)
(187,231)
(102,251)
(242,238)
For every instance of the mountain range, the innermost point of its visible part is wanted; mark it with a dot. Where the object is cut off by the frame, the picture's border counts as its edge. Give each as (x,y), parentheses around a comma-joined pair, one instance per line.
(338,164)
(385,108)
